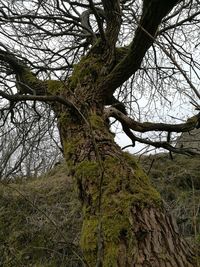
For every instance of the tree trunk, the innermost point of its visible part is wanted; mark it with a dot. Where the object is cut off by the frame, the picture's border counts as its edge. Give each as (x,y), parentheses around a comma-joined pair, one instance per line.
(124,223)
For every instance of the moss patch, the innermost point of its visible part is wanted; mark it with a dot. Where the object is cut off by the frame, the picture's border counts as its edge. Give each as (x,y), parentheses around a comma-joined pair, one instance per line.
(89,239)
(55,87)
(89,66)
(124,186)
(96,121)
(29,76)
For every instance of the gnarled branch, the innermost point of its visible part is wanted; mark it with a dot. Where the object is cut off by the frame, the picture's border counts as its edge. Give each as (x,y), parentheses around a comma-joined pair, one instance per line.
(143,127)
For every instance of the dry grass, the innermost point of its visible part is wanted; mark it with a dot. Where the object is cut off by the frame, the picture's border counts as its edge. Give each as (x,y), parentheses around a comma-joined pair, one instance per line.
(40,222)
(178,181)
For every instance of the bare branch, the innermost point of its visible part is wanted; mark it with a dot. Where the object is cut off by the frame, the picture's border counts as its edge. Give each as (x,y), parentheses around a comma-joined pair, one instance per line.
(189,125)
(166,146)
(18,98)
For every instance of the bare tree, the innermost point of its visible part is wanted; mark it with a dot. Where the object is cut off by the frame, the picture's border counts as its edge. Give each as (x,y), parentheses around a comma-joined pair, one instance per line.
(29,142)
(90,61)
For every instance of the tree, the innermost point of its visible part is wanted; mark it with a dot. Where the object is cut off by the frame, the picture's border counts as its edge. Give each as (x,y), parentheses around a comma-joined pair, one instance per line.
(29,145)
(75,56)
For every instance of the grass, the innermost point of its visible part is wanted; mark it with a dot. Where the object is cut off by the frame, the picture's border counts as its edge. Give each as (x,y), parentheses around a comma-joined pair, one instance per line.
(40,219)
(40,222)
(178,181)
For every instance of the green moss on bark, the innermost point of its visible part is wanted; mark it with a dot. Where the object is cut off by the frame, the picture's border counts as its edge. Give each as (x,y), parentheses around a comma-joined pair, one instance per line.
(29,83)
(89,66)
(124,186)
(96,121)
(55,87)
(88,239)
(29,76)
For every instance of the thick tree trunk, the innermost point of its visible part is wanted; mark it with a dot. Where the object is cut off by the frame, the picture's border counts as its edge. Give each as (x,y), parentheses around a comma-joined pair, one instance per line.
(124,223)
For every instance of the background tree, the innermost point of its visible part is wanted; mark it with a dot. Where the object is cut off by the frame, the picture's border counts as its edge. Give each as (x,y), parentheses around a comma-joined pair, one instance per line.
(29,143)
(89,61)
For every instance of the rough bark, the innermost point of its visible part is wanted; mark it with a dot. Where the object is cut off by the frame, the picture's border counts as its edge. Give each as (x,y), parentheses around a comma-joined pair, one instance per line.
(124,223)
